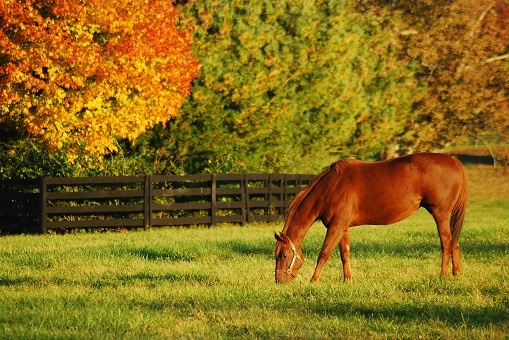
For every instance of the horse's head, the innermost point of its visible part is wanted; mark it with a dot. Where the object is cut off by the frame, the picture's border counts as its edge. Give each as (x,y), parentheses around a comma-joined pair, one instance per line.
(289,259)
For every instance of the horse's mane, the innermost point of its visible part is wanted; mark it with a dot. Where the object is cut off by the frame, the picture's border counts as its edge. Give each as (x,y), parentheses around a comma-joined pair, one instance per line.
(341,165)
(337,167)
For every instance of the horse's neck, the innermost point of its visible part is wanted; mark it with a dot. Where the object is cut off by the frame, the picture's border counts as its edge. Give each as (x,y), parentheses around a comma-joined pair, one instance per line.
(308,206)
(299,226)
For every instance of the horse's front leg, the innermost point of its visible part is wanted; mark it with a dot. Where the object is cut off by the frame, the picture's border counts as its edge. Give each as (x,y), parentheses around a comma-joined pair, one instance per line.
(344,247)
(332,238)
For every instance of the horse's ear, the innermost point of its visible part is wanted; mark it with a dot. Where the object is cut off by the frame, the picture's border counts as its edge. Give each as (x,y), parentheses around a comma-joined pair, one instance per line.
(277,237)
(281,237)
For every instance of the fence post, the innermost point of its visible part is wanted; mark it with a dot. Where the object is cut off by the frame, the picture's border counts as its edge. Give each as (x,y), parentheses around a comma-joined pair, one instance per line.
(269,209)
(243,200)
(147,202)
(285,194)
(43,195)
(213,205)
(246,192)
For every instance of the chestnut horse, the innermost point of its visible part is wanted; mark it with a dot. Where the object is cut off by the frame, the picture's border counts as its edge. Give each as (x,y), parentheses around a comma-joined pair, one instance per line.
(352,192)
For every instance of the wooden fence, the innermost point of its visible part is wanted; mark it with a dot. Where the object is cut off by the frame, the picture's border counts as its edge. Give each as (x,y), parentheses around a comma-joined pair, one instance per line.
(145,201)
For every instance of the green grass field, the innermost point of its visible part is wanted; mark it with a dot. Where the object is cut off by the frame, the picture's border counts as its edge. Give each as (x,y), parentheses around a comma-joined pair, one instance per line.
(219,282)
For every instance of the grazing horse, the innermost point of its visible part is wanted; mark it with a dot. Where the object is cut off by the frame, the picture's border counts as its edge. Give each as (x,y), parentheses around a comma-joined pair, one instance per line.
(352,192)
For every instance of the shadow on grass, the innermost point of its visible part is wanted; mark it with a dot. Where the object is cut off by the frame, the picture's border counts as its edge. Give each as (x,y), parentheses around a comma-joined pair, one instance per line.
(8,282)
(115,281)
(396,249)
(149,279)
(494,248)
(220,249)
(365,248)
(423,312)
(145,278)
(245,248)
(154,254)
(418,249)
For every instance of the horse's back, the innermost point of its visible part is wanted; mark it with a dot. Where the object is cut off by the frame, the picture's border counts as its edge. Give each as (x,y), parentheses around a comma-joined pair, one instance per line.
(421,167)
(432,170)
(391,190)
(423,161)
(416,168)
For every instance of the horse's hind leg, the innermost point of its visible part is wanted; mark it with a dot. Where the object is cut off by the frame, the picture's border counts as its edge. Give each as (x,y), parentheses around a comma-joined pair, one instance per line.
(344,247)
(446,241)
(456,266)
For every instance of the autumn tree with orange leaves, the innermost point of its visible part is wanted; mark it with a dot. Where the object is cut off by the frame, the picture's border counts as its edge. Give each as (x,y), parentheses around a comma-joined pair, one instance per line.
(81,74)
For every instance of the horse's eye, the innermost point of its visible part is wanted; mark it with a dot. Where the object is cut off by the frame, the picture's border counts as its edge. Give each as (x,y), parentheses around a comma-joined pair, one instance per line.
(285,256)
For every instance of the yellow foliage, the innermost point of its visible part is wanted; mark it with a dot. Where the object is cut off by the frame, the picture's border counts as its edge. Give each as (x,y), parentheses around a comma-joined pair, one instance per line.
(89,73)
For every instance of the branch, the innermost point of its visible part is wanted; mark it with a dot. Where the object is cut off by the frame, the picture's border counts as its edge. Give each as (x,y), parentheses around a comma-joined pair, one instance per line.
(296,73)
(470,36)
(499,57)
(487,147)
(481,18)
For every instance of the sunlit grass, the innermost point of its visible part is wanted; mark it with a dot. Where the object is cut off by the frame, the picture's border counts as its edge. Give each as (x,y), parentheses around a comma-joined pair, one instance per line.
(219,283)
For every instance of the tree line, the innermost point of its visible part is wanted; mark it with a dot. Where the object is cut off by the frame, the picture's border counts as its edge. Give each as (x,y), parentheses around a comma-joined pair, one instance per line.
(122,87)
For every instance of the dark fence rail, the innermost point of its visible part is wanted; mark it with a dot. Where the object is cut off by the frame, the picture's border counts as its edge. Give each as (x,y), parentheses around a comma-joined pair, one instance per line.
(145,201)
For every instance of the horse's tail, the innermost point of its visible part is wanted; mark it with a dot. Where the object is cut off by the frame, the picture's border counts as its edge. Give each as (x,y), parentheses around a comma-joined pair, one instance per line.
(458,212)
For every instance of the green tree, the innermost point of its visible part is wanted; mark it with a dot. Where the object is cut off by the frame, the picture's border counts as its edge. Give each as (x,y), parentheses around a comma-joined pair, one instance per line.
(286,84)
